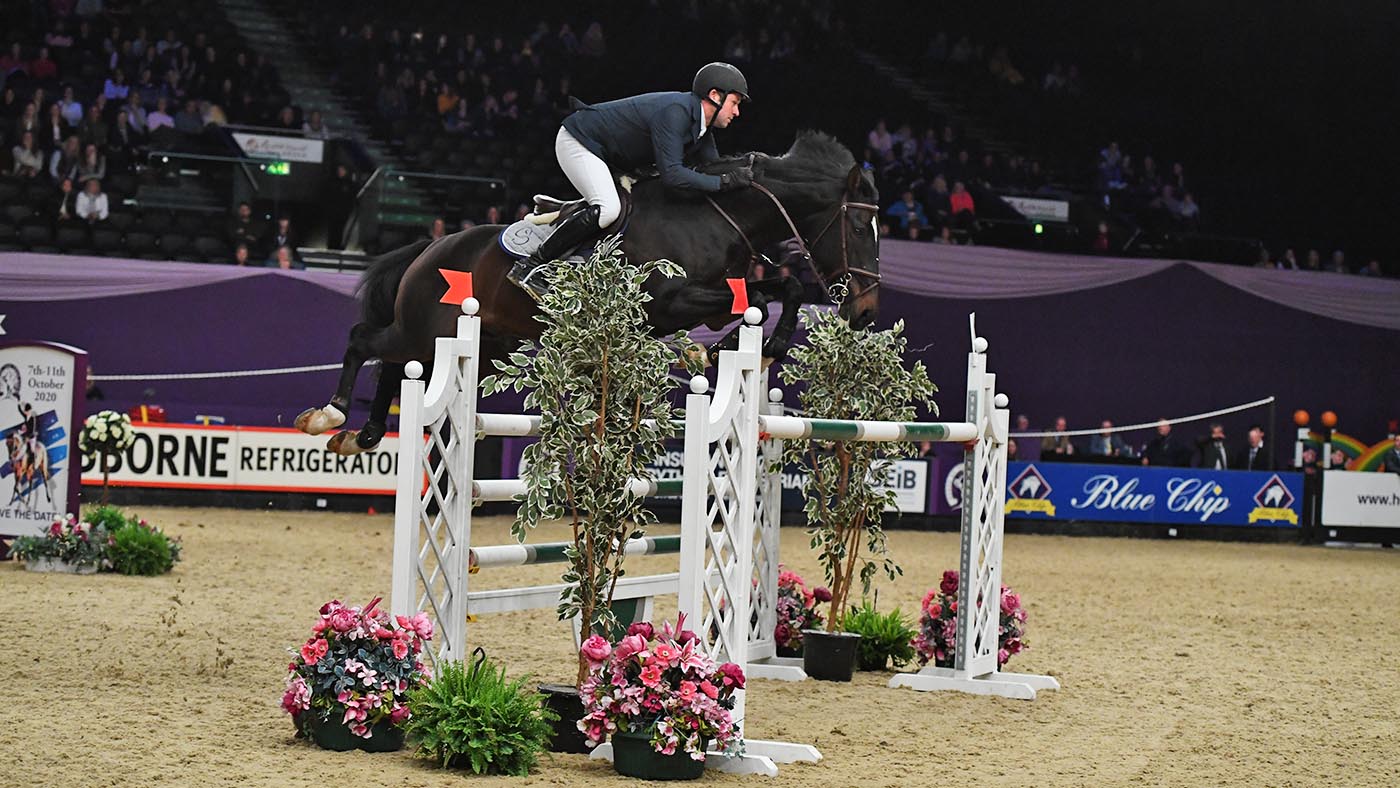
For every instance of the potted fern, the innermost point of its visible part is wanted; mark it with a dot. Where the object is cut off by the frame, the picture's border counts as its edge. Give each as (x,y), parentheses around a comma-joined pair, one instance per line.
(849,374)
(600,381)
(474,718)
(884,637)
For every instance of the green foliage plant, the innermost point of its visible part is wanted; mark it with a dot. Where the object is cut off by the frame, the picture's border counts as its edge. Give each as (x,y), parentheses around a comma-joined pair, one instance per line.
(884,637)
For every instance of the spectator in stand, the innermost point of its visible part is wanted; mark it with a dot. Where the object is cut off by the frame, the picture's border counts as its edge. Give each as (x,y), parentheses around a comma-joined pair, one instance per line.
(1390,462)
(1264,260)
(1029,450)
(158,118)
(963,208)
(93,165)
(1188,212)
(29,160)
(1338,263)
(94,130)
(340,206)
(1213,452)
(1178,177)
(287,119)
(881,141)
(285,259)
(67,201)
(13,62)
(593,44)
(1107,443)
(92,203)
(190,120)
(1372,268)
(315,128)
(70,107)
(1314,261)
(1339,460)
(447,99)
(1101,240)
(147,89)
(65,160)
(43,68)
(241,255)
(1058,445)
(908,212)
(54,130)
(493,215)
(437,229)
(1255,456)
(1288,261)
(938,204)
(135,113)
(1164,451)
(244,229)
(124,144)
(945,236)
(28,120)
(282,236)
(115,88)
(1054,80)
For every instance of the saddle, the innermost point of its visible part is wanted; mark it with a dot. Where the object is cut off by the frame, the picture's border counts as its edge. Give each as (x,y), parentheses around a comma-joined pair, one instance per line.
(523,237)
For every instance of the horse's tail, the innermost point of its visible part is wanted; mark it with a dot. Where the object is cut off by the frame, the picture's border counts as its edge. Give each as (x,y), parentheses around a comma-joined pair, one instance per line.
(380,284)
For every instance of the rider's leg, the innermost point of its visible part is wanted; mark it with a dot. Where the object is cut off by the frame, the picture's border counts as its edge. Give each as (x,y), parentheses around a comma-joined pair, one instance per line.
(591,176)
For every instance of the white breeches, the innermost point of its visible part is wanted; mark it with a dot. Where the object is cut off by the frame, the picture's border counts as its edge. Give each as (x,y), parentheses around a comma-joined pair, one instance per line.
(590,175)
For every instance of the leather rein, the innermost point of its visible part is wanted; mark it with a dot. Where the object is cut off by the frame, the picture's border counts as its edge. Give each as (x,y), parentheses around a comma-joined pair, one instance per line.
(838,283)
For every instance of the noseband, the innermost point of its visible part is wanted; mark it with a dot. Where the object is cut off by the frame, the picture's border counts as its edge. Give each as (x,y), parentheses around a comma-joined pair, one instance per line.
(838,283)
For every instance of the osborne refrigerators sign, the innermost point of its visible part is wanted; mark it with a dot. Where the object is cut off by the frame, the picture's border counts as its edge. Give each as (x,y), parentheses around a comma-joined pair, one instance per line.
(188,456)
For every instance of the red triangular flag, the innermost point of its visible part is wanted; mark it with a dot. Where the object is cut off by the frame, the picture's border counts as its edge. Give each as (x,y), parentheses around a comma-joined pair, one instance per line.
(741,296)
(459,286)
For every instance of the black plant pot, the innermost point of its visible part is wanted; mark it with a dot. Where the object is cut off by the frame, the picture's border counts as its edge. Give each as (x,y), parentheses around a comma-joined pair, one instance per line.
(829,656)
(563,699)
(784,651)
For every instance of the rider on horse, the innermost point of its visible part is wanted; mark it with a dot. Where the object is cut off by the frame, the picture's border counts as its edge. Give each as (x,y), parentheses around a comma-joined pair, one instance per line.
(661,129)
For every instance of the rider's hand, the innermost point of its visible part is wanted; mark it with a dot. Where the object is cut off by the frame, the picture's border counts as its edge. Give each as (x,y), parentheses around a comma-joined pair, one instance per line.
(736,179)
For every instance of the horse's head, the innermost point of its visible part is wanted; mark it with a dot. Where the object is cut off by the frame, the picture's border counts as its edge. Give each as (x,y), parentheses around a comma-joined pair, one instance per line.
(838,206)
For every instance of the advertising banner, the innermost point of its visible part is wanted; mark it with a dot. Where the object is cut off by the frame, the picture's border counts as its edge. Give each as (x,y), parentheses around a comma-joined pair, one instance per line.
(268,146)
(42,387)
(1367,500)
(1141,494)
(908,478)
(196,457)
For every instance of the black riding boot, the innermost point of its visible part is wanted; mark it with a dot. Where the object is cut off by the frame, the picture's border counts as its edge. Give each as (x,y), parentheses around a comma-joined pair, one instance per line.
(529,273)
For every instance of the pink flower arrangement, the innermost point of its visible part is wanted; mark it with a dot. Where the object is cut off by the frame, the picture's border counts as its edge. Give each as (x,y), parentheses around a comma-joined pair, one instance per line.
(357,668)
(661,683)
(797,608)
(938,625)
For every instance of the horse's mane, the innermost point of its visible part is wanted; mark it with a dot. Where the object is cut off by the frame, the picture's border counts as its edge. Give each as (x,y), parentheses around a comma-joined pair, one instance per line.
(814,156)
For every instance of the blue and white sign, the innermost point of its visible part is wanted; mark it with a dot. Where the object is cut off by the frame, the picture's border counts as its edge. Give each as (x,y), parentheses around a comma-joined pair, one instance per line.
(1141,494)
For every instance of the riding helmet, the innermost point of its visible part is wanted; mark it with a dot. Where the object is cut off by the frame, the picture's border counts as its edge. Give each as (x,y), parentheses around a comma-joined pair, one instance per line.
(722,77)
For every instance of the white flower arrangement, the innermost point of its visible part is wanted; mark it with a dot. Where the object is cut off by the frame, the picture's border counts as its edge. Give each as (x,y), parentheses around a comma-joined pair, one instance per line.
(107,432)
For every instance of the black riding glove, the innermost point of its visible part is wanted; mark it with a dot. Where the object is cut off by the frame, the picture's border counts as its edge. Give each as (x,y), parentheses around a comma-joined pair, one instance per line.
(736,179)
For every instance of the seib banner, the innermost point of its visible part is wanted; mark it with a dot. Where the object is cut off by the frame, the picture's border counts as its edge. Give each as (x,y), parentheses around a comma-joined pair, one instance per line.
(908,478)
(195,457)
(1366,500)
(1138,494)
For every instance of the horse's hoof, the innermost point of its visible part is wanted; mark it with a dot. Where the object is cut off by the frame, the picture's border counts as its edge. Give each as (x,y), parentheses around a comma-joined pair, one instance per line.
(314,421)
(343,443)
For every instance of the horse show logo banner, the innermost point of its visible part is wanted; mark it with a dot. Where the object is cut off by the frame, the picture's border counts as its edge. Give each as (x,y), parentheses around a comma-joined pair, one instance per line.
(1142,494)
(215,457)
(41,393)
(1360,500)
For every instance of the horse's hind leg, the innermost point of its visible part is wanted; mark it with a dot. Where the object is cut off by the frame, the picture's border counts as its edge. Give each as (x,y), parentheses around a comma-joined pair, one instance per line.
(351,442)
(314,421)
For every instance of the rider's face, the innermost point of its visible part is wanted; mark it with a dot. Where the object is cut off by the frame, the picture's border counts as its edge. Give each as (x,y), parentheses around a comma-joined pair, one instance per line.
(728,111)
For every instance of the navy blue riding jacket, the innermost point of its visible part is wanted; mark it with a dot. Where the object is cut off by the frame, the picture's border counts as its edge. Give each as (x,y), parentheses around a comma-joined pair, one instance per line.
(661,129)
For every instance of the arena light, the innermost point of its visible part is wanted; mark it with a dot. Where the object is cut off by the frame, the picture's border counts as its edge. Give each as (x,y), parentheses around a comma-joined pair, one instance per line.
(1039,228)
(279,168)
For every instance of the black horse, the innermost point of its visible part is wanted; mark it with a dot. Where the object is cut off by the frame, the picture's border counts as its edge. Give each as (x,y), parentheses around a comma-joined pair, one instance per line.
(815,195)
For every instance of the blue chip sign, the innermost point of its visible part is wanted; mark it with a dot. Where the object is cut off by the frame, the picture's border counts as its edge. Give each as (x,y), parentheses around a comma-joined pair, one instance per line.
(1133,494)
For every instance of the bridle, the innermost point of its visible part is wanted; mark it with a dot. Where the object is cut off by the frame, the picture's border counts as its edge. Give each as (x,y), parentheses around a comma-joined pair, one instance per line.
(837,284)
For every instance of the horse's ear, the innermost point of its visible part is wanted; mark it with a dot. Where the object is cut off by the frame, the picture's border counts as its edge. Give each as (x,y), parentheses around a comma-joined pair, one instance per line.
(853,180)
